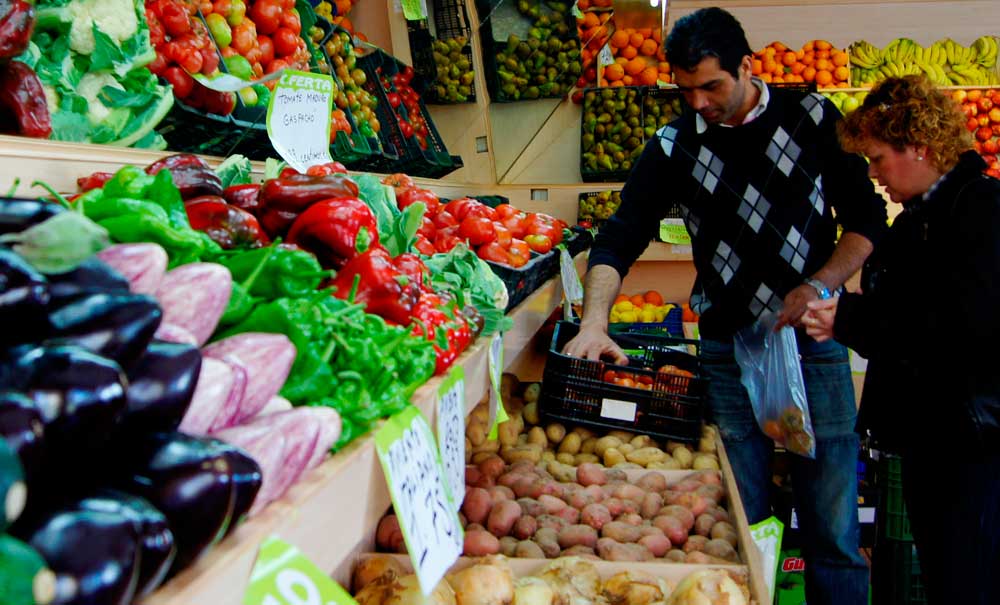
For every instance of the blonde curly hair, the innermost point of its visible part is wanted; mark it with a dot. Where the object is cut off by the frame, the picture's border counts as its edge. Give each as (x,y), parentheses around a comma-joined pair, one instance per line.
(909,111)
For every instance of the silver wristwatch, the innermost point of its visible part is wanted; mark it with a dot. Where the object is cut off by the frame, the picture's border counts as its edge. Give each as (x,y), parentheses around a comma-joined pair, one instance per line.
(821,289)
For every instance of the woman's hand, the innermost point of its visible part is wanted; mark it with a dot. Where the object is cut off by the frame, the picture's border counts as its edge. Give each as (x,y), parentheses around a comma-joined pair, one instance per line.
(818,319)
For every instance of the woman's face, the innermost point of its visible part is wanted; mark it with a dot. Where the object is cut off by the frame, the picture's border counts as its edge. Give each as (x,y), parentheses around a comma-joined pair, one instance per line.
(904,174)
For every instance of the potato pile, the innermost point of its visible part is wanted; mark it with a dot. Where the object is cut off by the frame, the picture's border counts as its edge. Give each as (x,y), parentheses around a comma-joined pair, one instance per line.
(490,581)
(523,437)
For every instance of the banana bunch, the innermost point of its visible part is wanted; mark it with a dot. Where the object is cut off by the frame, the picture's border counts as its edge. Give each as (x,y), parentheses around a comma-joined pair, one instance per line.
(899,50)
(865,55)
(965,74)
(986,51)
(958,54)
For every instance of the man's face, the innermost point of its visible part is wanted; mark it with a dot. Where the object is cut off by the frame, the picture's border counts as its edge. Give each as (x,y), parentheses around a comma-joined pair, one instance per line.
(713,92)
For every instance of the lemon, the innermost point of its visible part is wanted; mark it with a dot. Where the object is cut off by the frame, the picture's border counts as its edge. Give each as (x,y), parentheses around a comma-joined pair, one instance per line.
(629,317)
(624,306)
(648,316)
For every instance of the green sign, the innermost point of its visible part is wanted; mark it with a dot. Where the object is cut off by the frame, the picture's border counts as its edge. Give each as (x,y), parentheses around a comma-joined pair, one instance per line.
(451,430)
(298,118)
(414,10)
(426,511)
(282,575)
(767,536)
(495,362)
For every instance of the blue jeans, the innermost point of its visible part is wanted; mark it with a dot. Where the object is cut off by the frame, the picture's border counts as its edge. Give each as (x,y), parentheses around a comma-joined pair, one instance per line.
(826,490)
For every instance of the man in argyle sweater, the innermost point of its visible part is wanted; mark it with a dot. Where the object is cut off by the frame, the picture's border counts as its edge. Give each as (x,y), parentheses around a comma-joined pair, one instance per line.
(757,174)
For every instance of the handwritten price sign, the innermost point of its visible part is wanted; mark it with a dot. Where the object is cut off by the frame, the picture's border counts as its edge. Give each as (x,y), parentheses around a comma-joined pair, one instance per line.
(298,118)
(494,362)
(420,494)
(451,430)
(284,576)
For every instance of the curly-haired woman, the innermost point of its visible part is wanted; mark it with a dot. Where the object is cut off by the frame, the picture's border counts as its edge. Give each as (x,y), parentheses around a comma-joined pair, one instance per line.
(928,320)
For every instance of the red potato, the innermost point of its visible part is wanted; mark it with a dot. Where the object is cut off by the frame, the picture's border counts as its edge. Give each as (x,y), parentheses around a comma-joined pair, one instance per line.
(477,504)
(610,487)
(547,539)
(630,507)
(610,550)
(627,491)
(693,501)
(615,506)
(579,499)
(485,482)
(577,535)
(475,527)
(671,528)
(651,505)
(686,517)
(650,530)
(595,515)
(388,535)
(525,527)
(547,487)
(508,546)
(721,549)
(525,487)
(526,549)
(634,519)
(531,507)
(569,514)
(579,551)
(589,473)
(676,555)
(696,557)
(652,482)
(500,492)
(472,474)
(551,504)
(621,532)
(694,543)
(657,545)
(523,467)
(708,477)
(719,513)
(616,474)
(479,543)
(493,466)
(703,524)
(712,493)
(502,517)
(508,479)
(595,492)
(687,485)
(551,522)
(723,530)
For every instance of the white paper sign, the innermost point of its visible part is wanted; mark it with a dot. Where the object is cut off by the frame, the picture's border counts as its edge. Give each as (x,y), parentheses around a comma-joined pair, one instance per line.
(451,431)
(420,495)
(605,57)
(298,118)
(617,409)
(572,287)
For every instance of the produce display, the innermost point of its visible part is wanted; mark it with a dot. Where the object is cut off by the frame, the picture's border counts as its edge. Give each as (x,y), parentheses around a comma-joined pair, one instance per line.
(982,107)
(616,123)
(638,59)
(405,103)
(593,29)
(352,95)
(945,62)
(595,208)
(642,308)
(382,579)
(455,75)
(817,61)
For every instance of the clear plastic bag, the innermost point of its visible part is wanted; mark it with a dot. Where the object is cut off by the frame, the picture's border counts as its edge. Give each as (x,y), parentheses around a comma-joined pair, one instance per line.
(772,375)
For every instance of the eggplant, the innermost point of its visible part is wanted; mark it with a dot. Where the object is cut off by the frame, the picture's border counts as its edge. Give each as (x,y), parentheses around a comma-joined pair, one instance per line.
(190,480)
(24,297)
(22,427)
(116,326)
(94,554)
(92,276)
(160,386)
(156,541)
(247,479)
(13,492)
(24,577)
(16,215)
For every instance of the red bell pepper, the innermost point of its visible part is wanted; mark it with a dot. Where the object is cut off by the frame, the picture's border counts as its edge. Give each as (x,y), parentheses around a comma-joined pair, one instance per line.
(412,267)
(297,192)
(373,279)
(442,323)
(335,230)
(227,225)
(245,197)
(23,109)
(16,27)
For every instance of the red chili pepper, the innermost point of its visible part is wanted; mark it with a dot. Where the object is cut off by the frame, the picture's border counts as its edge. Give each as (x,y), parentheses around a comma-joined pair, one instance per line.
(297,192)
(442,323)
(23,100)
(94,181)
(227,225)
(383,289)
(244,197)
(16,28)
(335,230)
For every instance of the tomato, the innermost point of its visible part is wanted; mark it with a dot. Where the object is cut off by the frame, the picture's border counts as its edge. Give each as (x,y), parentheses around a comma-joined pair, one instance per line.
(427,228)
(393,99)
(398,181)
(176,21)
(609,376)
(180,80)
(494,252)
(643,379)
(157,35)
(505,210)
(285,42)
(188,57)
(504,238)
(424,246)
(418,194)
(625,382)
(209,61)
(244,37)
(539,243)
(517,223)
(221,7)
(266,49)
(291,20)
(444,219)
(405,129)
(267,15)
(478,230)
(237,11)
(158,64)
(221,103)
(520,252)
(445,242)
(465,207)
(276,65)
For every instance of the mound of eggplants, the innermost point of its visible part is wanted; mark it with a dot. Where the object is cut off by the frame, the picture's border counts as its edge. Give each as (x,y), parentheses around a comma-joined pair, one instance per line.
(117,499)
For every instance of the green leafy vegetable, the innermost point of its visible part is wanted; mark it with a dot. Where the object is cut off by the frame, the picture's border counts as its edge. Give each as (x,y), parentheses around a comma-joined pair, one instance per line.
(234,170)
(471,281)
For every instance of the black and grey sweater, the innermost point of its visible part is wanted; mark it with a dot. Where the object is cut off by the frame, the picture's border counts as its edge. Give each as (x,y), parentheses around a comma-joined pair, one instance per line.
(758,200)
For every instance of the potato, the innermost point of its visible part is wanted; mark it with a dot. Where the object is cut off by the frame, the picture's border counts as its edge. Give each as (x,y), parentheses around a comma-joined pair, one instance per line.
(507,433)
(595,515)
(707,477)
(388,534)
(577,535)
(531,507)
(551,504)
(479,543)
(477,504)
(604,444)
(689,484)
(547,539)
(526,549)
(522,439)
(472,474)
(718,512)
(531,452)
(686,517)
(546,521)
(652,502)
(615,506)
(561,472)
(624,436)
(474,527)
(695,543)
(625,466)
(530,413)
(507,546)
(692,501)
(671,528)
(626,448)
(524,527)
(703,524)
(590,474)
(676,555)
(490,446)
(564,458)
(531,393)
(672,445)
(667,464)
(616,475)
(628,491)
(502,518)
(657,545)
(481,413)
(707,444)
(712,493)
(620,531)
(468,451)
(500,492)
(697,557)
(724,531)
(578,551)
(705,462)
(476,431)
(555,432)
(721,549)
(645,455)
(610,550)
(652,482)
(569,444)
(376,569)
(683,456)
(569,514)
(631,519)
(547,456)
(492,467)
(587,445)
(514,405)
(612,457)
(596,492)
(585,458)
(537,436)
(584,432)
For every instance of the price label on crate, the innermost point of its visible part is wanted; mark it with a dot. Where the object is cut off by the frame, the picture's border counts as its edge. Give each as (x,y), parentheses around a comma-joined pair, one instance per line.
(298,118)
(420,495)
(451,431)
(494,360)
(414,10)
(283,575)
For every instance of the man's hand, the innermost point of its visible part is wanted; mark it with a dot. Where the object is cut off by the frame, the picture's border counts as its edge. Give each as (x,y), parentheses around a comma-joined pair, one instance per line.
(820,319)
(594,343)
(795,306)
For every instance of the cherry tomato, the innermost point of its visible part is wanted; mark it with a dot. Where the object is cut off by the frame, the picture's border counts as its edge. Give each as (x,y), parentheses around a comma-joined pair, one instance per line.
(266,48)
(539,243)
(180,80)
(405,129)
(444,219)
(244,37)
(504,238)
(285,42)
(494,252)
(267,15)
(478,230)
(291,20)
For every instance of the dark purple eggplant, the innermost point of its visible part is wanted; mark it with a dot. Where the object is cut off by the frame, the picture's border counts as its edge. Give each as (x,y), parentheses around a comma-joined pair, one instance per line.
(22,427)
(24,296)
(190,480)
(247,479)
(115,326)
(92,276)
(17,215)
(94,554)
(160,386)
(156,541)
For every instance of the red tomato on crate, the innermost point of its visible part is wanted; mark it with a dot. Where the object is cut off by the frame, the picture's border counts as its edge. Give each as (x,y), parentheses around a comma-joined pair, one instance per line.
(494,252)
(478,230)
(266,14)
(539,243)
(286,42)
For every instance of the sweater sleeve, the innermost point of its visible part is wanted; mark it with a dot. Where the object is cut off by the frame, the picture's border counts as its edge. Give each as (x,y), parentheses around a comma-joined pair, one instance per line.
(859,208)
(625,236)
(855,325)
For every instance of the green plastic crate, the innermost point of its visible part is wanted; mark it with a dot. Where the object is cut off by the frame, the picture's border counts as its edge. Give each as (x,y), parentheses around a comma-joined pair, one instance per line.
(896,574)
(892,512)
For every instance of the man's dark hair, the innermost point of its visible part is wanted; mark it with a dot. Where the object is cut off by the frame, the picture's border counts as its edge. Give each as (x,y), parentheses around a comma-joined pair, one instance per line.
(708,32)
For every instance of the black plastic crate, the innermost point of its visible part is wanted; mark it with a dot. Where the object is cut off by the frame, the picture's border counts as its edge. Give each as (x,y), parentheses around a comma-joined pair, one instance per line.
(522,281)
(447,26)
(896,574)
(498,21)
(574,390)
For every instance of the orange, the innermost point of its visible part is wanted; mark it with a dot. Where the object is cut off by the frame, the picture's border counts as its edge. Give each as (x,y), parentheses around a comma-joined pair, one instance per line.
(788,59)
(636,40)
(779,79)
(629,52)
(645,32)
(823,78)
(800,54)
(653,297)
(757,67)
(649,76)
(822,45)
(620,298)
(797,68)
(614,72)
(771,67)
(808,47)
(657,35)
(766,77)
(621,61)
(619,39)
(590,20)
(843,84)
(809,73)
(778,47)
(840,58)
(974,95)
(809,58)
(617,83)
(628,80)
(583,4)
(824,64)
(635,66)
(822,54)
(637,300)
(664,67)
(841,74)
(770,52)
(648,47)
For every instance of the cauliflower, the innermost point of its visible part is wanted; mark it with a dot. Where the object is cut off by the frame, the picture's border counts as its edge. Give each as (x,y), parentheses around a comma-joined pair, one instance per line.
(89,87)
(116,18)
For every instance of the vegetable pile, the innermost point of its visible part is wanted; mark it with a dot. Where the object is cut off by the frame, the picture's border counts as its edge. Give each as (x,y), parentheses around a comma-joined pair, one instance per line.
(352,95)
